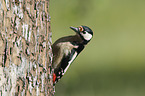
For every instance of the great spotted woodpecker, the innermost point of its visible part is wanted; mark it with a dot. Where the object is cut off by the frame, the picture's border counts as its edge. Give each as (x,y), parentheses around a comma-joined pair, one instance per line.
(66,49)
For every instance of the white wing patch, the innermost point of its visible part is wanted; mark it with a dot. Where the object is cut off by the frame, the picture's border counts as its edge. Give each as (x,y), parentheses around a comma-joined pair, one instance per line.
(86,36)
(74,56)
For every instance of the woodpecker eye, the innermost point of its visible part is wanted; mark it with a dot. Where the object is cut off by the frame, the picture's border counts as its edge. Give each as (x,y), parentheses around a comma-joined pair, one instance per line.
(81,29)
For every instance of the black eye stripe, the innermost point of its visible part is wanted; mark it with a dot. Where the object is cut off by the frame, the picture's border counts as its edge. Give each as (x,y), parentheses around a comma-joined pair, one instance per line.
(84,32)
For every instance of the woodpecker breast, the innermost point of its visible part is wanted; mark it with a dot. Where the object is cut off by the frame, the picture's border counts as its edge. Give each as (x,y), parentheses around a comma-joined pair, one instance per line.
(66,47)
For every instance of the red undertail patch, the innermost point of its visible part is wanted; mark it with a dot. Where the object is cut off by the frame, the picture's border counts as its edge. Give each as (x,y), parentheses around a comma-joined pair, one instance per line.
(54,77)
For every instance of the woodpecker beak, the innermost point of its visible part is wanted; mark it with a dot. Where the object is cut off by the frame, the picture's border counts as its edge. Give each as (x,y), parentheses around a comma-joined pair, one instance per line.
(74,29)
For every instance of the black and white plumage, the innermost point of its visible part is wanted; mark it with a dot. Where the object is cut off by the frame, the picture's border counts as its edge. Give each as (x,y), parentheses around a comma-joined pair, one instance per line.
(66,49)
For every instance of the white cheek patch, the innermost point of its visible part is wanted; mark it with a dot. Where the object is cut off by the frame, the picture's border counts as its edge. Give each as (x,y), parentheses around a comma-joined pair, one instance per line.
(86,36)
(74,56)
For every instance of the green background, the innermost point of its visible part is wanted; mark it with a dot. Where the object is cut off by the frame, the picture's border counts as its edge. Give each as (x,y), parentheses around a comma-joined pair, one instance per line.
(113,63)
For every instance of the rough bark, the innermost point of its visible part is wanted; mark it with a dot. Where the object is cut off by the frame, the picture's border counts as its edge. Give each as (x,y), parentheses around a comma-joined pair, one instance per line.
(25,48)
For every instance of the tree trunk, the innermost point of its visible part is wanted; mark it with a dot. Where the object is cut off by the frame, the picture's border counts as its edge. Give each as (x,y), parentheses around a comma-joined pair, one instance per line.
(25,48)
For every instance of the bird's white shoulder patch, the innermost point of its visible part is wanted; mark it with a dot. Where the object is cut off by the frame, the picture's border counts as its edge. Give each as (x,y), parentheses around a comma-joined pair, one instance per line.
(74,56)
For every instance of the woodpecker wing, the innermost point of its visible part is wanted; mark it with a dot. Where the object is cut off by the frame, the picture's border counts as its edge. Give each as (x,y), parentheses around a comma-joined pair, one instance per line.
(67,61)
(64,64)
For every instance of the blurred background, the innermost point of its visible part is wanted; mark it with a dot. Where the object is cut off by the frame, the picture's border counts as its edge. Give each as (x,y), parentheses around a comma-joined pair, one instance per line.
(113,63)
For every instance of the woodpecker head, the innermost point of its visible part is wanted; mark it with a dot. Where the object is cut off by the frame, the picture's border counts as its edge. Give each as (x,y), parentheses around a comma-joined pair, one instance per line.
(84,32)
